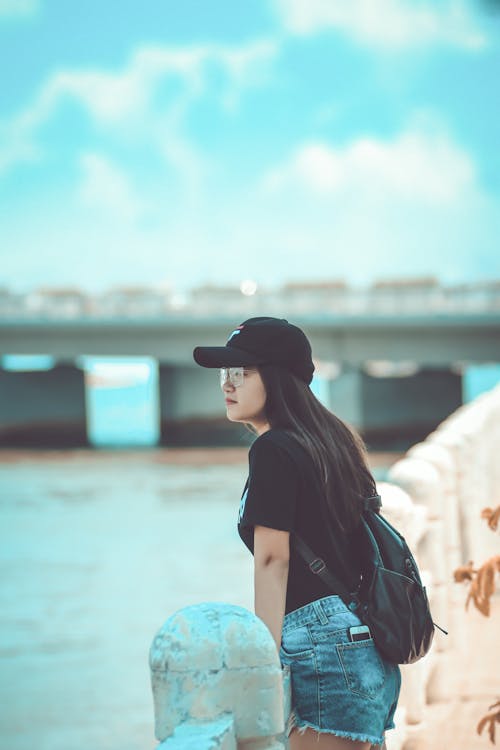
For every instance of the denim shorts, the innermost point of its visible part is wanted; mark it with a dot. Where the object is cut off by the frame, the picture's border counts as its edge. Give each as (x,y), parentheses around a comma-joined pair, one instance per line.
(338,685)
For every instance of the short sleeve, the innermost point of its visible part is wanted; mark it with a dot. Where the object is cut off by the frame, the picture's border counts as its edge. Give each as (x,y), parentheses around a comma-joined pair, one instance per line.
(273,485)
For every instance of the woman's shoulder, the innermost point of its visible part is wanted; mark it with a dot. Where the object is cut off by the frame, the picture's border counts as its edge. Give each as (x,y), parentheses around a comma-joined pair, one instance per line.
(279,441)
(272,454)
(275,436)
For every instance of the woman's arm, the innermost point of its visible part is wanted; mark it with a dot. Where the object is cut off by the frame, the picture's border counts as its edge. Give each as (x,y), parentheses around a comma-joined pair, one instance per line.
(271,559)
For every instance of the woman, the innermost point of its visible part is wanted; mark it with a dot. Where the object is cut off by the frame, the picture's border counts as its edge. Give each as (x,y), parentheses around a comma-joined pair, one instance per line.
(307,474)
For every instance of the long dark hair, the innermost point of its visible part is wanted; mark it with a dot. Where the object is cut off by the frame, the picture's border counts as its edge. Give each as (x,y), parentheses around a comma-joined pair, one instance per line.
(337,450)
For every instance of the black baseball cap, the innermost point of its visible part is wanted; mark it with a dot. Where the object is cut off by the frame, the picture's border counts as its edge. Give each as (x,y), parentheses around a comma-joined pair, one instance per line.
(259,341)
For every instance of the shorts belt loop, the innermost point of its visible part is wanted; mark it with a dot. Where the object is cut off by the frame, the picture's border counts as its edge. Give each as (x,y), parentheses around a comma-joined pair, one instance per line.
(318,608)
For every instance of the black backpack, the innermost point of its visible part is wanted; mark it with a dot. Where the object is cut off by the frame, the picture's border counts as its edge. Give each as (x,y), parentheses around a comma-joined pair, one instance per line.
(390,599)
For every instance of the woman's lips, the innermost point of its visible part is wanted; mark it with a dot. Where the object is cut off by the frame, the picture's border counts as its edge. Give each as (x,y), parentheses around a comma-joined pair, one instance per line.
(229,401)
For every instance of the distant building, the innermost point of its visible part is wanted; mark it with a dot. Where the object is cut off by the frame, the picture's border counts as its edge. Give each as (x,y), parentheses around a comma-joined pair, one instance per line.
(57,302)
(226,299)
(332,296)
(405,295)
(134,301)
(478,295)
(9,302)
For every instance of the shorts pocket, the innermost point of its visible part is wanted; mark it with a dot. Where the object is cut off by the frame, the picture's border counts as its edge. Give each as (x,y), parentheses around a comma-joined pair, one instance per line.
(362,667)
(296,644)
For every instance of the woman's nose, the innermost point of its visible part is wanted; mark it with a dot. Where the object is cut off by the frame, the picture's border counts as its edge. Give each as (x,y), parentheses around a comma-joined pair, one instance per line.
(227,384)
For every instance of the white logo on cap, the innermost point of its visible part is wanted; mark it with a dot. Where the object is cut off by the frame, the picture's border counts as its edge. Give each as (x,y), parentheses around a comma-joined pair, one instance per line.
(237,330)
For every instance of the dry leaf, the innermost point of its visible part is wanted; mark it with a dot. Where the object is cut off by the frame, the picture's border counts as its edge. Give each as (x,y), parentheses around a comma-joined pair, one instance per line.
(490,720)
(464,573)
(482,586)
(482,582)
(492,517)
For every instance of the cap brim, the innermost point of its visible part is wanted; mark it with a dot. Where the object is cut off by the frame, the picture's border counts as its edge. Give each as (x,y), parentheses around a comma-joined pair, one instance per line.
(222,356)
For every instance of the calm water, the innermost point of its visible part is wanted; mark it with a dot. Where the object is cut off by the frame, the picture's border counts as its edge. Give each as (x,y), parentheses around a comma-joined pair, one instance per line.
(97,550)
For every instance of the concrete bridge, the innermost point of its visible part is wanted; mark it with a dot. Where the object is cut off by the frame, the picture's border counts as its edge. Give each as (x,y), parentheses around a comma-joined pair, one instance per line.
(392,375)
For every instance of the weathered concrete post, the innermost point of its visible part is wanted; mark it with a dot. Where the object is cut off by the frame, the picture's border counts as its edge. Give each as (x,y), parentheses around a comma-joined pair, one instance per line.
(217,681)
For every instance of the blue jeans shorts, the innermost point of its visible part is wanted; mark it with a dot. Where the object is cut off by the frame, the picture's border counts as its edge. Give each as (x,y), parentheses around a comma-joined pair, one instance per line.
(338,685)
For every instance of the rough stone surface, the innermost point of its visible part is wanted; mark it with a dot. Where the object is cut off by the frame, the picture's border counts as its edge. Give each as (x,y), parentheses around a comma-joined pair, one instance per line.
(410,519)
(471,677)
(421,480)
(215,658)
(215,735)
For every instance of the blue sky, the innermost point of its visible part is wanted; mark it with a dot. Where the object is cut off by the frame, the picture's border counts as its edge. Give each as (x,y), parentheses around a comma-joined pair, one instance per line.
(279,140)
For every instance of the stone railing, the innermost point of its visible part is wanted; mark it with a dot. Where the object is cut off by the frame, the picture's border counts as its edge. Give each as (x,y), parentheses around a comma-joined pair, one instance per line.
(443,483)
(216,677)
(217,681)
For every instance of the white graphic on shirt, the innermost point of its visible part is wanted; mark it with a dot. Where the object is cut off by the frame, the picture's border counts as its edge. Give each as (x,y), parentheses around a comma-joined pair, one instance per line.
(242,505)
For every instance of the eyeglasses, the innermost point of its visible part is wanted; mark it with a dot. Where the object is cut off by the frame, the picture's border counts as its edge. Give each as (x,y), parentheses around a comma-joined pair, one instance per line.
(236,375)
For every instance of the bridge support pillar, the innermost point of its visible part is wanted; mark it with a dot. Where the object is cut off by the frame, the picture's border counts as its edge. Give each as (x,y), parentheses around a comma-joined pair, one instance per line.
(395,412)
(399,411)
(192,409)
(43,408)
(345,396)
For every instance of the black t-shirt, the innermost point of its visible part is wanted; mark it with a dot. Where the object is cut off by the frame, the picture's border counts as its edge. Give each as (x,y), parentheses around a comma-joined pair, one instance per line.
(281,493)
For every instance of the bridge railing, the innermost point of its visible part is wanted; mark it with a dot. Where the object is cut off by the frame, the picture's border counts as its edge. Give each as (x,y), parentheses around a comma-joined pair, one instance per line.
(406,296)
(448,479)
(216,677)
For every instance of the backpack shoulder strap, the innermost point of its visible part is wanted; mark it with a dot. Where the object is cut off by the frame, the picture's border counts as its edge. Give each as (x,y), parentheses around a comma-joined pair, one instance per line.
(373,503)
(317,566)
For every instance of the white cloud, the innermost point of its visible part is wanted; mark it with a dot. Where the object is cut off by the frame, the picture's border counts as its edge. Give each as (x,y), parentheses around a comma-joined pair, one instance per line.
(18,7)
(416,165)
(127,103)
(105,188)
(355,215)
(386,24)
(413,205)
